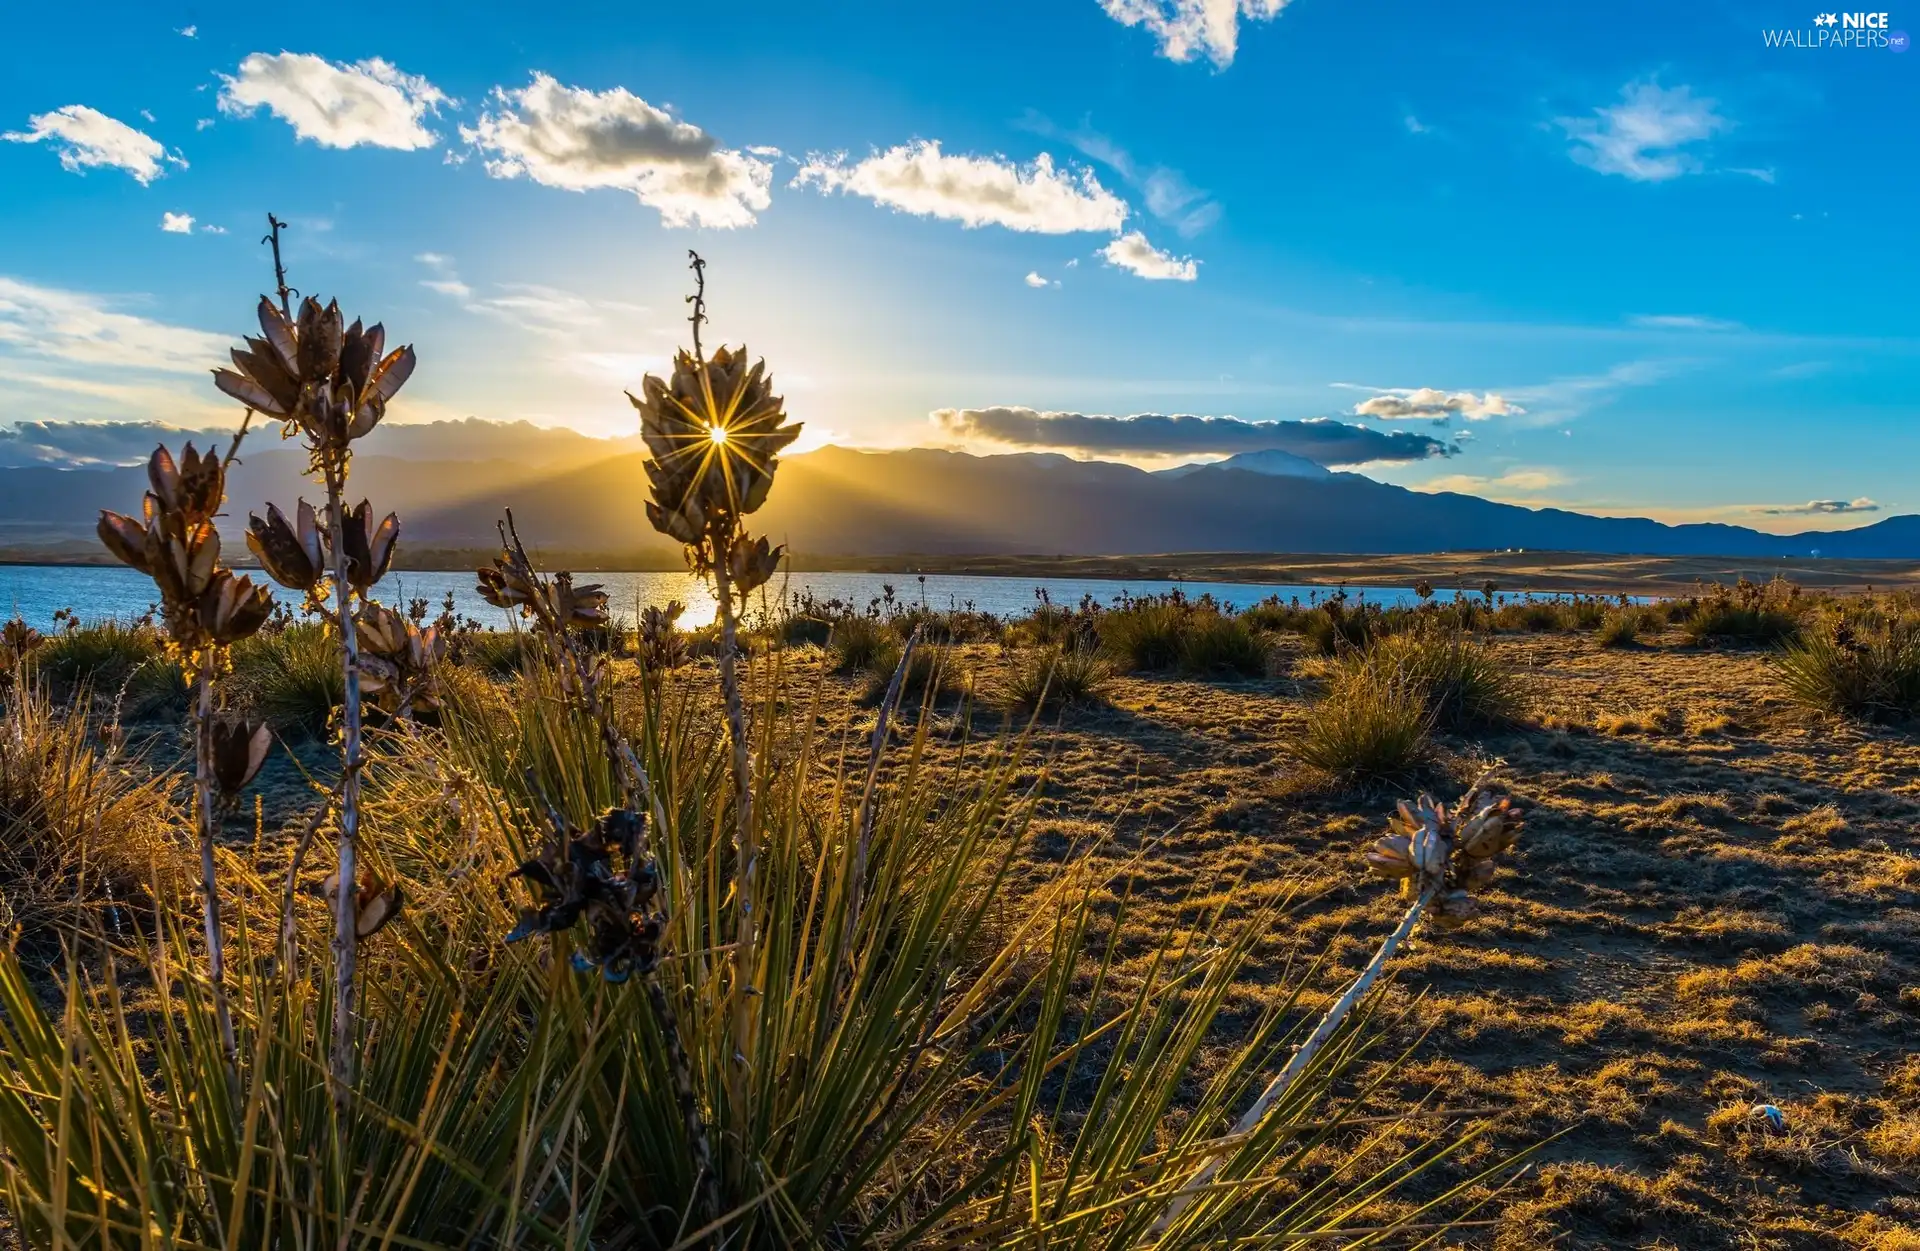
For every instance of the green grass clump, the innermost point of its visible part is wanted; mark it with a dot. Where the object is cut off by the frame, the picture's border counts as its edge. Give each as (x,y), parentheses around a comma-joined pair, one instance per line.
(291,677)
(1620,628)
(1219,644)
(930,674)
(1366,730)
(859,644)
(1457,680)
(108,657)
(1147,636)
(1047,678)
(1865,670)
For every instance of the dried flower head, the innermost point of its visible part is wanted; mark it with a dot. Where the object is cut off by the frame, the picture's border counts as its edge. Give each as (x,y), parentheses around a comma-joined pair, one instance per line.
(331,383)
(1447,854)
(239,749)
(174,543)
(375,902)
(398,658)
(556,603)
(574,879)
(715,430)
(292,553)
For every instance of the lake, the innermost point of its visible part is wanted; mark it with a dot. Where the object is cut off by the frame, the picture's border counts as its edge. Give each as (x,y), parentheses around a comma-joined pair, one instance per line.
(35,592)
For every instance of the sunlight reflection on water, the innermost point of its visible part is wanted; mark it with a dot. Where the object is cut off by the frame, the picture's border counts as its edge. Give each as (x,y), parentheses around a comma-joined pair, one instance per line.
(35,592)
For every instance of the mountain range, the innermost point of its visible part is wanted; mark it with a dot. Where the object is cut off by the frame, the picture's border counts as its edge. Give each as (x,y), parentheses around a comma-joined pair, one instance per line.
(836,501)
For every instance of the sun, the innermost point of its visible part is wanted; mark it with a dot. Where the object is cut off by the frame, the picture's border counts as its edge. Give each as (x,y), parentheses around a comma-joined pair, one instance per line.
(718,435)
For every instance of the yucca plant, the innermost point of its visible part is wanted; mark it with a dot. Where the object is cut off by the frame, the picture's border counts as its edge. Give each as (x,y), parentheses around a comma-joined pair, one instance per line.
(714,431)
(1043,678)
(330,384)
(207,608)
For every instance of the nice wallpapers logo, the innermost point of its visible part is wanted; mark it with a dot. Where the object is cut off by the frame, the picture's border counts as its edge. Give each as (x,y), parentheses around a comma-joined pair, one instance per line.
(1841,30)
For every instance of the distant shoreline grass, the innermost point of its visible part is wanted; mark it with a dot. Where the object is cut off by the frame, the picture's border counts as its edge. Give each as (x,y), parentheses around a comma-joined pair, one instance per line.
(1513,572)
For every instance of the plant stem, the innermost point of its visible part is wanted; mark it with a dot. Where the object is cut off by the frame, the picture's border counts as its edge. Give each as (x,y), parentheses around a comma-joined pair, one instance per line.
(346,918)
(209,887)
(707,1182)
(1304,1054)
(745,947)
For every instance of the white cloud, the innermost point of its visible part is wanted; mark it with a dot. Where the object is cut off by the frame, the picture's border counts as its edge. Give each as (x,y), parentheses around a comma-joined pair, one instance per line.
(1415,126)
(1398,403)
(1035,281)
(1132,252)
(177,223)
(1166,191)
(1674,321)
(1187,29)
(191,32)
(80,328)
(919,178)
(66,354)
(87,139)
(334,104)
(203,123)
(580,140)
(1647,135)
(212,230)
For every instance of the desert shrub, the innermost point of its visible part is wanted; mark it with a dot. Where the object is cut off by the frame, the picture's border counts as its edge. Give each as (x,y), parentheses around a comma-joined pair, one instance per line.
(1340,625)
(1620,628)
(291,677)
(859,643)
(1584,612)
(107,657)
(931,673)
(1055,625)
(1458,682)
(1145,636)
(1217,643)
(79,831)
(1856,670)
(803,629)
(1045,678)
(1533,615)
(953,625)
(1748,613)
(1367,728)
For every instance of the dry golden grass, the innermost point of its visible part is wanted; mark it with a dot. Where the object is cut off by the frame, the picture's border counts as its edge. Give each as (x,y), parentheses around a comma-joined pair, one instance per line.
(1717,904)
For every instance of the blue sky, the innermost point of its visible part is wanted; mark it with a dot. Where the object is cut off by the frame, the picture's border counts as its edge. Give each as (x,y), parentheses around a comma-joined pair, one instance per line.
(1623,258)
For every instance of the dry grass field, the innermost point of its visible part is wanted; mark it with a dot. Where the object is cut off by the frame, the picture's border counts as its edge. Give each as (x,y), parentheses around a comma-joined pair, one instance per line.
(1717,905)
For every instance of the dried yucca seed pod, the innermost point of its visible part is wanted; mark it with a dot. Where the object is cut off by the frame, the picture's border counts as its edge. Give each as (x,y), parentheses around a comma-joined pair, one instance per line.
(715,430)
(232,607)
(239,749)
(332,382)
(369,548)
(375,903)
(751,564)
(293,554)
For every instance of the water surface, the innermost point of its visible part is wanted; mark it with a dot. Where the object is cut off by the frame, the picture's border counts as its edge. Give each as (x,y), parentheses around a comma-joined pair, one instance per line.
(36,592)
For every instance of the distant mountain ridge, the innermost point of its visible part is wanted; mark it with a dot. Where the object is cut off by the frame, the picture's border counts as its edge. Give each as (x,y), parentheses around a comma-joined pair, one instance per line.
(840,502)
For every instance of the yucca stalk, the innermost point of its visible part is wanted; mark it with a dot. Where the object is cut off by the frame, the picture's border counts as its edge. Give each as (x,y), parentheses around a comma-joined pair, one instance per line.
(330,383)
(207,608)
(1440,857)
(715,430)
(557,608)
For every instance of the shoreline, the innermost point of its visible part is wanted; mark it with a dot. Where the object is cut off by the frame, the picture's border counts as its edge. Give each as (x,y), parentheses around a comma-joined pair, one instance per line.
(1515,572)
